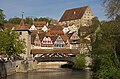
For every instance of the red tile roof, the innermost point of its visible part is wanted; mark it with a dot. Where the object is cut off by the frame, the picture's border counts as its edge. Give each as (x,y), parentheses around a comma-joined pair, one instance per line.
(55,27)
(39,24)
(73,14)
(65,38)
(28,26)
(10,26)
(54,32)
(53,38)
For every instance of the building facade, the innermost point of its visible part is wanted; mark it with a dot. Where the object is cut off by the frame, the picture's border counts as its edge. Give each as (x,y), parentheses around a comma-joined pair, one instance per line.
(78,16)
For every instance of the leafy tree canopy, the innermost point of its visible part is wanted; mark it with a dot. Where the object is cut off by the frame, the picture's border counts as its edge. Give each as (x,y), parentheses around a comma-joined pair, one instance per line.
(79,61)
(28,20)
(14,20)
(10,44)
(2,17)
(105,52)
(43,19)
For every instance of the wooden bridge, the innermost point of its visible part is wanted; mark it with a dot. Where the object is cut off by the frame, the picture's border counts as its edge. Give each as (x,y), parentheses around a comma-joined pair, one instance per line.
(44,55)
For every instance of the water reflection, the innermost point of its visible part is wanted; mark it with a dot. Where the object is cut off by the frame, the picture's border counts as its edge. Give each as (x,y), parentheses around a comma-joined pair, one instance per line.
(52,74)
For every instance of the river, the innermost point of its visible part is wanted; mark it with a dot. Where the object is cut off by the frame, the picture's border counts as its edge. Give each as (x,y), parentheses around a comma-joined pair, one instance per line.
(52,73)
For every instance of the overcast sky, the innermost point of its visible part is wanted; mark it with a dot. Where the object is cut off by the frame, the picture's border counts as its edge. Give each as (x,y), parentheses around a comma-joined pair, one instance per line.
(48,8)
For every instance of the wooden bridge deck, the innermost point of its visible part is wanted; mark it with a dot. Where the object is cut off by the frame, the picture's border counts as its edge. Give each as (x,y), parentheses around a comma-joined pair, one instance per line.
(60,51)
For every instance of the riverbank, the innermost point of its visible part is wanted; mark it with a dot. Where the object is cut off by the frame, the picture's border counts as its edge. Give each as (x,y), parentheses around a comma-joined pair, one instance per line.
(23,66)
(52,73)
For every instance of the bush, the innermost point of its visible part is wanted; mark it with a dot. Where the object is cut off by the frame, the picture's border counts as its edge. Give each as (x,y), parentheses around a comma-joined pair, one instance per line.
(79,62)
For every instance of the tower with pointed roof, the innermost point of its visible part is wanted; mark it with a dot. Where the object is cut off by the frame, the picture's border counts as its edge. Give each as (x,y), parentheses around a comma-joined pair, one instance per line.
(25,35)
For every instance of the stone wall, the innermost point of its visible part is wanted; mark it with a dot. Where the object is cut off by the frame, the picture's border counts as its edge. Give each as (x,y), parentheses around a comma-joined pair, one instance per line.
(25,65)
(10,68)
(3,72)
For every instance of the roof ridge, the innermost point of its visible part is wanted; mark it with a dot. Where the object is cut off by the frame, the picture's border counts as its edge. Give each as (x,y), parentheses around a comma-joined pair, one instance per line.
(78,7)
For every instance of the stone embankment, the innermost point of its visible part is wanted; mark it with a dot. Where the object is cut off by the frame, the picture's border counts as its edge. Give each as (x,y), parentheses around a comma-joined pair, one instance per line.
(3,72)
(8,68)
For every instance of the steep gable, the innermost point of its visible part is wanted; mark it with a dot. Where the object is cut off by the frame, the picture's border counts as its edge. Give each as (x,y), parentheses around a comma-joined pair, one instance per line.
(44,28)
(65,30)
(59,40)
(47,40)
(33,36)
(37,41)
(32,28)
(59,43)
(74,36)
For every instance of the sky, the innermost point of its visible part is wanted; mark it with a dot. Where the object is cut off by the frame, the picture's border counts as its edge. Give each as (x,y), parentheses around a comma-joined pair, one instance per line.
(48,8)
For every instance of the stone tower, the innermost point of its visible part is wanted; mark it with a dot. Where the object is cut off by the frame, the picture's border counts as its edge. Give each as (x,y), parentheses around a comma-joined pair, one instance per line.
(25,34)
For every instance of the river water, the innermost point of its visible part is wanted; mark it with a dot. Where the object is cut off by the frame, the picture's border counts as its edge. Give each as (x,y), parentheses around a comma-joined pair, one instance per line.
(52,73)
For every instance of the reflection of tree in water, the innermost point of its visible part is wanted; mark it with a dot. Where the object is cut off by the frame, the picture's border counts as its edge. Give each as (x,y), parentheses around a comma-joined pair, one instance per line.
(3,73)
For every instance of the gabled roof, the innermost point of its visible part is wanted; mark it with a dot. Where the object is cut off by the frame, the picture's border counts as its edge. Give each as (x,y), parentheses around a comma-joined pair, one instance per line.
(41,36)
(69,34)
(32,28)
(76,36)
(40,24)
(65,38)
(33,36)
(11,26)
(53,38)
(55,27)
(22,26)
(73,14)
(54,32)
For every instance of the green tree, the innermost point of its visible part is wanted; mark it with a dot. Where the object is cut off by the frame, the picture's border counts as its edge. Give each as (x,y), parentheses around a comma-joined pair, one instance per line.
(43,19)
(29,20)
(15,20)
(95,24)
(79,61)
(2,17)
(36,19)
(105,58)
(10,44)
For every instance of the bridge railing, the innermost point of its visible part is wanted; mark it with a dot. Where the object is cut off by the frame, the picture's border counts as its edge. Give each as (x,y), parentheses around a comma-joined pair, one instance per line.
(52,59)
